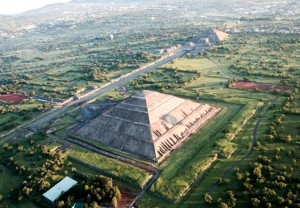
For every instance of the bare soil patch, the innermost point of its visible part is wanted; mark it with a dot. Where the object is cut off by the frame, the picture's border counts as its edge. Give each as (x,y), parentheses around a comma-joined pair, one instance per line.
(260,86)
(127,197)
(12,98)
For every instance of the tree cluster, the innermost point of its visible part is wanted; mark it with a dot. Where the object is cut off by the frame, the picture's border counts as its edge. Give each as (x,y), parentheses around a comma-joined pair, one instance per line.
(95,191)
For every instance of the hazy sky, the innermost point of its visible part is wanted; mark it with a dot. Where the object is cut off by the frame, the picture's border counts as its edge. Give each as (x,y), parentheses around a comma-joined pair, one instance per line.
(19,6)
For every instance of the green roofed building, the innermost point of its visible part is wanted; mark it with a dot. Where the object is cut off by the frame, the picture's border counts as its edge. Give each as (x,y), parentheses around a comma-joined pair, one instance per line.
(61,187)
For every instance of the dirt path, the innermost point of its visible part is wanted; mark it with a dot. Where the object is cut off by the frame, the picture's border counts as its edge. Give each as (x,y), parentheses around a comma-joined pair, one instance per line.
(233,74)
(253,142)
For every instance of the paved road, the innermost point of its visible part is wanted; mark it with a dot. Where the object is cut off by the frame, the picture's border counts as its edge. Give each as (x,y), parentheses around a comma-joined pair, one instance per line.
(57,112)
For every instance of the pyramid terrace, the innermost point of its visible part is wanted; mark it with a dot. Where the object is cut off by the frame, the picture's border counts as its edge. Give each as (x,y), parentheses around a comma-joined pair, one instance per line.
(148,124)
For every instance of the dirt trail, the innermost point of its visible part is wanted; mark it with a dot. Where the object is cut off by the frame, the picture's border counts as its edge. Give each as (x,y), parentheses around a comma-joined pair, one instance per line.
(254,143)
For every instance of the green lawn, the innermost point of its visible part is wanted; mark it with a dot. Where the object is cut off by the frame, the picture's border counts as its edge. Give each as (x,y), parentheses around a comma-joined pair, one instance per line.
(123,171)
(290,126)
(195,196)
(10,180)
(186,163)
(181,169)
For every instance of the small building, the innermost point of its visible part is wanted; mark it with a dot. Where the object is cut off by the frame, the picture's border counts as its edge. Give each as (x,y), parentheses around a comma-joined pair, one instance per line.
(61,187)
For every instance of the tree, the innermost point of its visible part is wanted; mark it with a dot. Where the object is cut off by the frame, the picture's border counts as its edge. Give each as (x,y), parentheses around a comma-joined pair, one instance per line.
(5,146)
(94,205)
(280,200)
(239,176)
(255,202)
(269,192)
(117,193)
(288,138)
(223,205)
(20,148)
(86,187)
(257,170)
(114,202)
(208,198)
(20,198)
(44,149)
(268,205)
(271,137)
(61,204)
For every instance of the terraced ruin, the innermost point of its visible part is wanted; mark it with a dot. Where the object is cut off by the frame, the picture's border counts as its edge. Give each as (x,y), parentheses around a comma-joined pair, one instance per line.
(148,124)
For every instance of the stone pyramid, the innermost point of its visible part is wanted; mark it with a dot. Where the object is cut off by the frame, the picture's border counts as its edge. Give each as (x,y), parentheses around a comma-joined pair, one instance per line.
(217,35)
(211,36)
(148,124)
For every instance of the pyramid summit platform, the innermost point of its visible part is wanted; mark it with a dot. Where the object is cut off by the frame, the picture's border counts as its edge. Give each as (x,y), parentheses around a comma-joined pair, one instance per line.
(149,124)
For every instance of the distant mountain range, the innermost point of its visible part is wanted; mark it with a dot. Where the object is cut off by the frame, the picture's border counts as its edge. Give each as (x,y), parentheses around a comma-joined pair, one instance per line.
(53,12)
(80,11)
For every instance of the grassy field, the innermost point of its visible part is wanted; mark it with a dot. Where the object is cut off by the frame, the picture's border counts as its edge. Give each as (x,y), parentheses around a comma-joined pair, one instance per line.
(121,171)
(185,164)
(211,178)
(125,172)
(216,72)
(13,115)
(205,79)
(270,59)
(9,180)
(290,126)
(24,152)
(91,172)
(266,147)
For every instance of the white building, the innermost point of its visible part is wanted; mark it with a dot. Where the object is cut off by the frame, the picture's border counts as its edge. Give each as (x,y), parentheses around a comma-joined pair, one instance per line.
(61,187)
